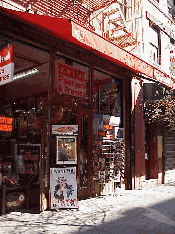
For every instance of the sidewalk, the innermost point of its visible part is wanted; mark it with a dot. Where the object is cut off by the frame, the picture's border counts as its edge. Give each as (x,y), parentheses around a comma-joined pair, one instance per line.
(151,210)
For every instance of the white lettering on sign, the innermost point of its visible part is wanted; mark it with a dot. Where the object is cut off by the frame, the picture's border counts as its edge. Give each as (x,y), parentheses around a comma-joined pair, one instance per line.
(79,34)
(5,57)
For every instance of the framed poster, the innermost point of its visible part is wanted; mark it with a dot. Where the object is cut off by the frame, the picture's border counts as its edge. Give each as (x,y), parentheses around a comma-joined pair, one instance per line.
(66,150)
(63,187)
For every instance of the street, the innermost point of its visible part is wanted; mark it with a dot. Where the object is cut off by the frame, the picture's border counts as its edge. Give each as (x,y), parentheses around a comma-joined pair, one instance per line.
(151,210)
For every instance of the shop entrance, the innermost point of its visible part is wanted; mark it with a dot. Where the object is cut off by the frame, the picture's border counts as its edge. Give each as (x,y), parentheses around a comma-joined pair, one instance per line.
(85,140)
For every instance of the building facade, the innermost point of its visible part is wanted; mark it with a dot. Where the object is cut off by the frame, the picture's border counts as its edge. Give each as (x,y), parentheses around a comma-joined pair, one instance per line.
(78,98)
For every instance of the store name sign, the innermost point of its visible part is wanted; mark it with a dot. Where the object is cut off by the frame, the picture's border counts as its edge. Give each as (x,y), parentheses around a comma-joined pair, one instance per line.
(71,81)
(6,124)
(6,65)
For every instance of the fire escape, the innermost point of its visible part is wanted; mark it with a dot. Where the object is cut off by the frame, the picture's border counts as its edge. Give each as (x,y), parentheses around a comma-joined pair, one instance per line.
(116,20)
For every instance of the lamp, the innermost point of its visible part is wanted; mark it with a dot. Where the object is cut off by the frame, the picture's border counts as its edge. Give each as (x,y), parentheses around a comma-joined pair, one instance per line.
(26,73)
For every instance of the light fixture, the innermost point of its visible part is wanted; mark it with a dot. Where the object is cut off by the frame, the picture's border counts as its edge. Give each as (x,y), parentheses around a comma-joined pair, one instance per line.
(26,73)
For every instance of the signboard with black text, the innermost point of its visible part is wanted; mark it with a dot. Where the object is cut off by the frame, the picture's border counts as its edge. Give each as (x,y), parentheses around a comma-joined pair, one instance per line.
(63,187)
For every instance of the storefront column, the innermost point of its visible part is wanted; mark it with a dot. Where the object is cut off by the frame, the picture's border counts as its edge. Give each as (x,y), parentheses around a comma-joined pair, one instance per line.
(49,124)
(90,122)
(46,134)
(43,134)
(127,124)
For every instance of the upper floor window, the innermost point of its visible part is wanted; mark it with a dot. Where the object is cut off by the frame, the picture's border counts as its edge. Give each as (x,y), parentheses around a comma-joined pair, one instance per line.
(154,44)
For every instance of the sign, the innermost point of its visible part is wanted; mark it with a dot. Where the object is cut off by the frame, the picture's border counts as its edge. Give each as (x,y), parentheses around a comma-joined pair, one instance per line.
(162,78)
(65,129)
(6,65)
(107,127)
(6,124)
(71,81)
(66,150)
(63,187)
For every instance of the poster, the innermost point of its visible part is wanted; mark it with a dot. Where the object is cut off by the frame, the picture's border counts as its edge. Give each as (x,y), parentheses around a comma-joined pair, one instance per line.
(66,149)
(63,186)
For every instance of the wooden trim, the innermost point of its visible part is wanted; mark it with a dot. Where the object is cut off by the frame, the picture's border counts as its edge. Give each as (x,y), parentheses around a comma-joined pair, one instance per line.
(127,126)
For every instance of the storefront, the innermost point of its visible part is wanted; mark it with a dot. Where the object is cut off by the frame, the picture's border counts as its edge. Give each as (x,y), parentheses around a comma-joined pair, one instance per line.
(67,111)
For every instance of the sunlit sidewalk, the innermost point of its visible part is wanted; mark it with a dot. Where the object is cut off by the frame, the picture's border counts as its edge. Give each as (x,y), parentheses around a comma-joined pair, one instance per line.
(135,211)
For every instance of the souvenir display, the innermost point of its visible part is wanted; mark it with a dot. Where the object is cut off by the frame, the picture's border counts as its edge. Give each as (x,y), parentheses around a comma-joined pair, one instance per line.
(108,153)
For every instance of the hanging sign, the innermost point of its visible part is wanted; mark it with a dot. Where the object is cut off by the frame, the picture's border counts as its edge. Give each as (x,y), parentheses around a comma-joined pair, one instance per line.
(70,81)
(63,187)
(65,129)
(6,65)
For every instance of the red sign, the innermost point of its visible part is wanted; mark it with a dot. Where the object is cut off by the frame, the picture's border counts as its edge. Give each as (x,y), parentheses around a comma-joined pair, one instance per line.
(107,127)
(6,65)
(7,56)
(6,124)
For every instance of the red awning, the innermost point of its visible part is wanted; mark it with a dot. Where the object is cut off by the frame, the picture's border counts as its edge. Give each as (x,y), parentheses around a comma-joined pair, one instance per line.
(82,37)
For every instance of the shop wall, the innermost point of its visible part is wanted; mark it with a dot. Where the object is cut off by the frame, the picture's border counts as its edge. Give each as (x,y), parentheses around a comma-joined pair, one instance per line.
(153,16)
(139,136)
(153,163)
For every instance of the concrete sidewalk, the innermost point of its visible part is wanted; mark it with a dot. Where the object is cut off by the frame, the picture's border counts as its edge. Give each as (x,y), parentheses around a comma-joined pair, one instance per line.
(151,210)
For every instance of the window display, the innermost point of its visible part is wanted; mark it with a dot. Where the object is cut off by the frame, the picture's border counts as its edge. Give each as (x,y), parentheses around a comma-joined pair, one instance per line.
(27,158)
(108,136)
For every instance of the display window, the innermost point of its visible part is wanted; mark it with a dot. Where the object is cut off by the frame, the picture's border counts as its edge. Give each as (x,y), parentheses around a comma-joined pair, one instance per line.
(21,125)
(108,133)
(71,81)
